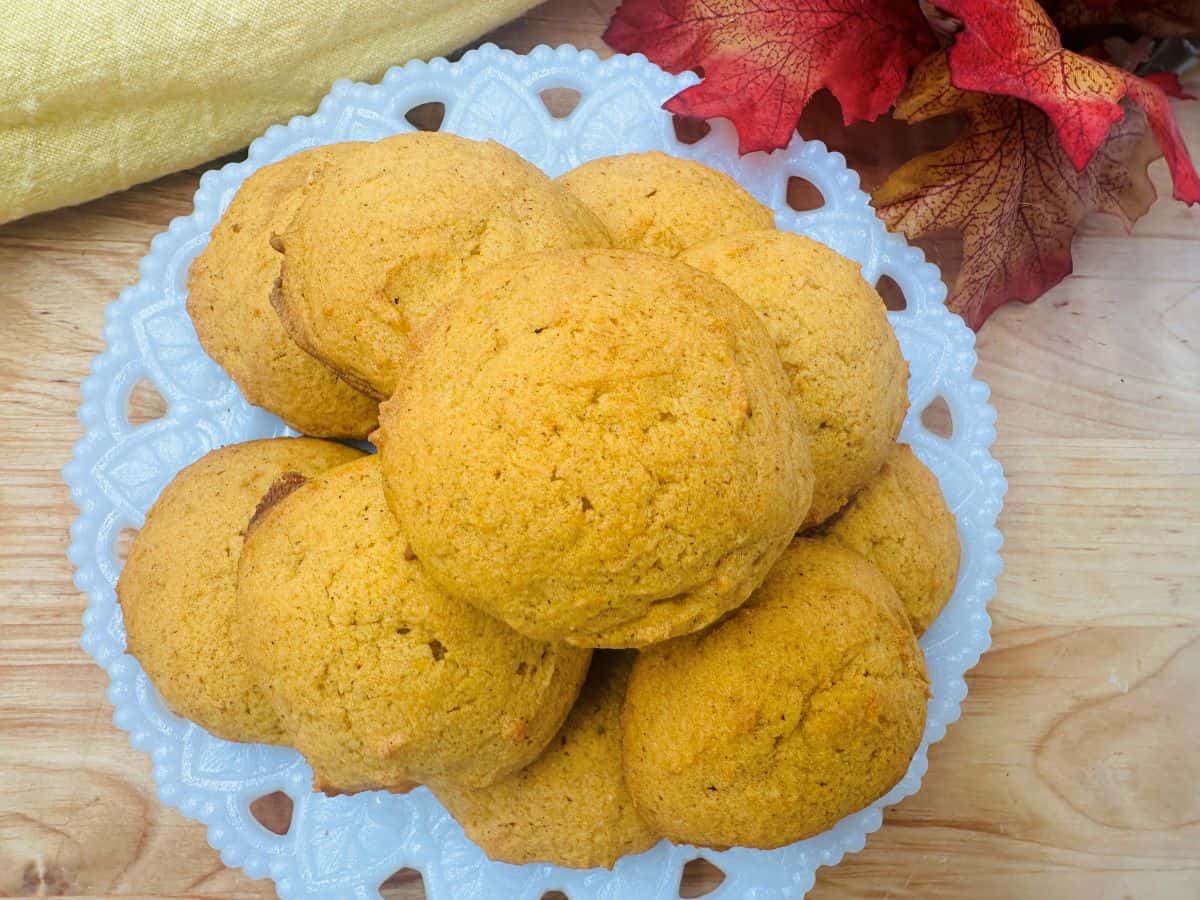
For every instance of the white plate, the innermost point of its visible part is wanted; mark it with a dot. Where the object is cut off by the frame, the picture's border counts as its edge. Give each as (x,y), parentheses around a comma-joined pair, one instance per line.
(347,846)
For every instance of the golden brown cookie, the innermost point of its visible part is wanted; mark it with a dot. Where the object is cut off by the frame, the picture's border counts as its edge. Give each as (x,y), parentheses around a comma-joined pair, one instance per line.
(177,590)
(599,447)
(229,300)
(900,522)
(377,244)
(832,332)
(569,807)
(661,204)
(799,708)
(378,678)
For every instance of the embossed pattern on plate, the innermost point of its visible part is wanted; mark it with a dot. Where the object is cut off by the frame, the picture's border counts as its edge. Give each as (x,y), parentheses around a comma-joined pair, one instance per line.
(347,846)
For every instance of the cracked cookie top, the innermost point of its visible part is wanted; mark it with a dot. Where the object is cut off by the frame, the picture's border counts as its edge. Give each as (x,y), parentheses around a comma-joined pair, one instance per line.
(837,346)
(377,243)
(229,301)
(661,204)
(570,805)
(177,590)
(800,708)
(598,447)
(901,523)
(378,678)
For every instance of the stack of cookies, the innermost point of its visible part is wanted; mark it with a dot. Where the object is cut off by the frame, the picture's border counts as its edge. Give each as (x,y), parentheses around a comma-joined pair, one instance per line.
(638,557)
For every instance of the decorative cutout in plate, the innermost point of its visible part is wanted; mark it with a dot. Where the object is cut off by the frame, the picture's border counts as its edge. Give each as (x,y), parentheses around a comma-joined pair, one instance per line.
(348,846)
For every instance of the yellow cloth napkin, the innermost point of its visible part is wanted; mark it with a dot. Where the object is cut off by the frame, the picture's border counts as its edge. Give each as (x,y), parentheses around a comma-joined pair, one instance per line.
(97,96)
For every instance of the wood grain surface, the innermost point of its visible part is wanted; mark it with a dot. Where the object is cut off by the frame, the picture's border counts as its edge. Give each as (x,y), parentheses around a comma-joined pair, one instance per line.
(1075,771)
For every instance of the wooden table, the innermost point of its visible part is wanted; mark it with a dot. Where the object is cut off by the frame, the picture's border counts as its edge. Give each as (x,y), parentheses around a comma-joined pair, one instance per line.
(1075,771)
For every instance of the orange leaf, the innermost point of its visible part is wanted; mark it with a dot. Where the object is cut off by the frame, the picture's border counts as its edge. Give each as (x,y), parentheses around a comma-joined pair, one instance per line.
(1007,185)
(1012,47)
(764,59)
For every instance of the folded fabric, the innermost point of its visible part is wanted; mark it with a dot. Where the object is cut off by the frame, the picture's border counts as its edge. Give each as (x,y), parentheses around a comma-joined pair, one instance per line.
(95,97)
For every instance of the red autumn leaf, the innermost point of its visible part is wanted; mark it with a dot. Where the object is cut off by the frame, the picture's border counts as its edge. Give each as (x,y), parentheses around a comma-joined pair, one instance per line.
(764,59)
(1169,84)
(1156,18)
(1007,186)
(1012,47)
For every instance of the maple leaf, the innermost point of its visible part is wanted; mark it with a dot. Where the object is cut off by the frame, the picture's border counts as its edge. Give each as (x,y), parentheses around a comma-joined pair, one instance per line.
(1012,47)
(764,59)
(1007,185)
(1156,18)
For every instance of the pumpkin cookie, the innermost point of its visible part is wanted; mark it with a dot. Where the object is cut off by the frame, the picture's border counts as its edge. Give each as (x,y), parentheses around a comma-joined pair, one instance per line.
(177,590)
(801,707)
(660,204)
(229,300)
(377,244)
(837,346)
(900,522)
(378,678)
(569,807)
(599,447)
